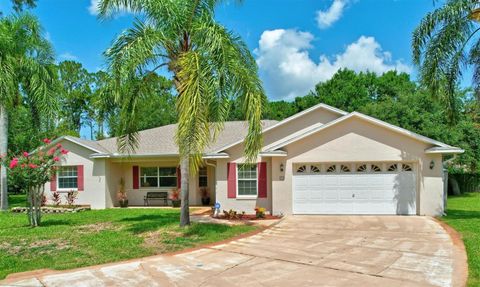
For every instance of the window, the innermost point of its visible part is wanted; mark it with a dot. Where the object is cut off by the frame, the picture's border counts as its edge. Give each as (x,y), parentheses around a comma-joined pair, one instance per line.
(202,177)
(362,168)
(406,167)
(247,179)
(155,177)
(344,168)
(375,168)
(67,177)
(301,169)
(392,167)
(314,169)
(332,168)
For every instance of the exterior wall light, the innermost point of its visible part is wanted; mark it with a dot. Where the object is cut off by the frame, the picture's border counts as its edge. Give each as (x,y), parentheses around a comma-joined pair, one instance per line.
(432,164)
(281,167)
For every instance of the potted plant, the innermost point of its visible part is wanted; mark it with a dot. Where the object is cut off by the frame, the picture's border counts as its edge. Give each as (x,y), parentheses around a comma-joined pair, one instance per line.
(175,197)
(122,194)
(205,193)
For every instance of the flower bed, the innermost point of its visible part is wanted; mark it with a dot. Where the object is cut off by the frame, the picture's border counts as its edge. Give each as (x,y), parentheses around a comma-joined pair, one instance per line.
(51,209)
(248,217)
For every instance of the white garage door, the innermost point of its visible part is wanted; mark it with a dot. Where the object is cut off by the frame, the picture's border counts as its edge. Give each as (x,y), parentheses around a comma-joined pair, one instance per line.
(365,188)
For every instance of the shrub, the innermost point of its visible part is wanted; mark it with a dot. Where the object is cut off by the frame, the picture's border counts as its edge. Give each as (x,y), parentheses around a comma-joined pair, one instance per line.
(70,197)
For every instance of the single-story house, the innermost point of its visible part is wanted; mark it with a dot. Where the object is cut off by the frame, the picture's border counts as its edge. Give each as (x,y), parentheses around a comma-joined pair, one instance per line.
(319,161)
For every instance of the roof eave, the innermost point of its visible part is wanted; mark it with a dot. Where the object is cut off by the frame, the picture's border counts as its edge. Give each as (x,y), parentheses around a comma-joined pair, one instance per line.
(444,150)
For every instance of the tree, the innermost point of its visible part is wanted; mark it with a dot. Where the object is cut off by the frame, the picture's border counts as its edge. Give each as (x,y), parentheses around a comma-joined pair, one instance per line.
(210,66)
(444,43)
(157,107)
(75,94)
(26,75)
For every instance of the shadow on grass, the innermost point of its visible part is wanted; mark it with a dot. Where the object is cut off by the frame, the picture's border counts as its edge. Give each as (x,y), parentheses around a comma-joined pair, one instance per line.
(17,200)
(55,222)
(462,214)
(150,222)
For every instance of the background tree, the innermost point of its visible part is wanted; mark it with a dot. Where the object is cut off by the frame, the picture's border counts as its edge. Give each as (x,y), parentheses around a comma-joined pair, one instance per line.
(75,94)
(210,65)
(26,76)
(445,43)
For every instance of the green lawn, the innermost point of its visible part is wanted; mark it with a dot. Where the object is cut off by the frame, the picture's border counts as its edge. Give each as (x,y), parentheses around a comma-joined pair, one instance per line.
(463,214)
(67,241)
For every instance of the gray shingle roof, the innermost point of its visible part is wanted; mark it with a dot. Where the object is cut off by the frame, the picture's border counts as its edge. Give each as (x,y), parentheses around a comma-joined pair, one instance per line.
(161,140)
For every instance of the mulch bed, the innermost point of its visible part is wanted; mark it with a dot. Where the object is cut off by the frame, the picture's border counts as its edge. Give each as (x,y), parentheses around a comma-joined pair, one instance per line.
(49,209)
(248,217)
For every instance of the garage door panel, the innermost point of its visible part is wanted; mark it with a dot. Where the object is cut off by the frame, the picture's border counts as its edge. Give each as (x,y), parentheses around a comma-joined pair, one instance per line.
(354,193)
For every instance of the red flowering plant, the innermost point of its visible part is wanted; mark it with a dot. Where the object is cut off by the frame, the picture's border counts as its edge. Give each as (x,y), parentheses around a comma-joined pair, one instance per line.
(34,170)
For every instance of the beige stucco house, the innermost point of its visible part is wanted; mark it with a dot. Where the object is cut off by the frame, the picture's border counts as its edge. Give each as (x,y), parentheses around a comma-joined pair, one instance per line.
(319,161)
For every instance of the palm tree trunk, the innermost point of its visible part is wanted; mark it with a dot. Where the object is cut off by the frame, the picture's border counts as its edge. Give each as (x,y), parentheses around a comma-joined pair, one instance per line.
(184,210)
(3,151)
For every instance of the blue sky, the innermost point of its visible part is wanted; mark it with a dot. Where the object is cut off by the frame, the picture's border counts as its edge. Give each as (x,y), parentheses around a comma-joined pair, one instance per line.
(294,46)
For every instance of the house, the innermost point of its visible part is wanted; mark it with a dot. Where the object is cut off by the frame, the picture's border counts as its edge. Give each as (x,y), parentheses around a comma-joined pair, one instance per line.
(319,161)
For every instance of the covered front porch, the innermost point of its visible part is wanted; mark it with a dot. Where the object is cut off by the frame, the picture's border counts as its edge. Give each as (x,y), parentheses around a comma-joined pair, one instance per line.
(157,176)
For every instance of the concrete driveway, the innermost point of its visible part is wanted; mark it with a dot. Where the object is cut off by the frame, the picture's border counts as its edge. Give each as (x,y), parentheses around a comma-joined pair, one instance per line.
(299,251)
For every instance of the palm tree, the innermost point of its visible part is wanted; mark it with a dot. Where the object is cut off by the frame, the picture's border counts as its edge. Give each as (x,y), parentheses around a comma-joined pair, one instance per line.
(210,65)
(26,75)
(444,44)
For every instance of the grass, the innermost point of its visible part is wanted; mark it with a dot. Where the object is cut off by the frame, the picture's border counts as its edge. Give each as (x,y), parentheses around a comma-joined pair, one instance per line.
(73,240)
(463,214)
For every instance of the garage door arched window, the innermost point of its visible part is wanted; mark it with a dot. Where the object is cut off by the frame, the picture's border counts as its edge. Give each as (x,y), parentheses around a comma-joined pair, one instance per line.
(314,169)
(375,168)
(392,167)
(406,167)
(344,168)
(302,169)
(362,168)
(332,168)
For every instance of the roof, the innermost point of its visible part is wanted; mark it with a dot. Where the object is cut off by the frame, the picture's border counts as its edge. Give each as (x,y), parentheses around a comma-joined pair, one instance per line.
(444,147)
(161,140)
(287,120)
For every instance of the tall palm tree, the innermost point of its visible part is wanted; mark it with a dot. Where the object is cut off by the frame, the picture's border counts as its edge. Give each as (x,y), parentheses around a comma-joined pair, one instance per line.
(210,65)
(444,44)
(26,75)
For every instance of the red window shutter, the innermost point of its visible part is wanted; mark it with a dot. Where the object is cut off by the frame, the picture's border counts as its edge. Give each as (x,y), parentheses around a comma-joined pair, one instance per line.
(80,178)
(179,178)
(53,182)
(231,180)
(136,178)
(262,180)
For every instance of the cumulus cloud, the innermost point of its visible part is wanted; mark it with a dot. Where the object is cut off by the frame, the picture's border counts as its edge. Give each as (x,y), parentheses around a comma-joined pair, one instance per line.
(288,70)
(327,17)
(93,8)
(67,56)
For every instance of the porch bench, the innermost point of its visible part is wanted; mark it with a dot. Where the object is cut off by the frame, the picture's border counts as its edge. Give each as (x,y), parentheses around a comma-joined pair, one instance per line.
(155,195)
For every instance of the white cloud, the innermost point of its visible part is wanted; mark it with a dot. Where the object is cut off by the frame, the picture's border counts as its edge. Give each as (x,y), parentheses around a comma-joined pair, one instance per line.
(288,70)
(93,8)
(67,56)
(326,18)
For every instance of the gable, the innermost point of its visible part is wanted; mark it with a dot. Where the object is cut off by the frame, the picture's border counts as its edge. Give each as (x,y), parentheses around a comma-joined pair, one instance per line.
(313,117)
(355,139)
(365,119)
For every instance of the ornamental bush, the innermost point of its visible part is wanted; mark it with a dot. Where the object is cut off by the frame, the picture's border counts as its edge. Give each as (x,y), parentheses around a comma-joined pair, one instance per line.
(34,170)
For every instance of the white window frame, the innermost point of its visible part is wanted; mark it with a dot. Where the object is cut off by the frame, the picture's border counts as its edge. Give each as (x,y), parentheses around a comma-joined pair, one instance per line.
(201,175)
(58,179)
(158,178)
(246,196)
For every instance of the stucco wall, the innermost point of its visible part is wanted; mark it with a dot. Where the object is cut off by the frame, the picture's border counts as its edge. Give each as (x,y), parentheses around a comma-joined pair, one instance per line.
(124,168)
(354,140)
(94,176)
(240,204)
(317,117)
